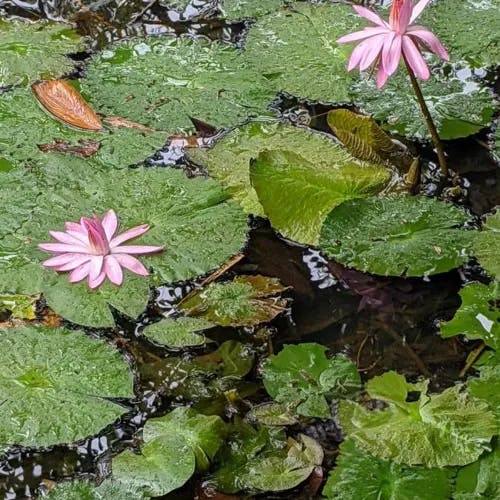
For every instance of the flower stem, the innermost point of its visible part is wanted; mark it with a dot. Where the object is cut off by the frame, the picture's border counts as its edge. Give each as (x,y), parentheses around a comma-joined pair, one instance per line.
(428,119)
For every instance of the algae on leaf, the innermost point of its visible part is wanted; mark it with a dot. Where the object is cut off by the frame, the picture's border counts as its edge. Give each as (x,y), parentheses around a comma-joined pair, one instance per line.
(179,332)
(84,490)
(33,50)
(199,229)
(486,244)
(397,235)
(163,81)
(478,317)
(436,430)
(55,384)
(359,475)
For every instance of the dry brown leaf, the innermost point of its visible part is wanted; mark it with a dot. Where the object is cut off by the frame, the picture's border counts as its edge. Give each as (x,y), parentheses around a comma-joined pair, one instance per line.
(118,121)
(85,149)
(66,104)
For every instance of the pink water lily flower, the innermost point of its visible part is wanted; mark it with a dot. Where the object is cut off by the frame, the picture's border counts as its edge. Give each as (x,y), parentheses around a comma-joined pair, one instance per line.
(90,249)
(385,43)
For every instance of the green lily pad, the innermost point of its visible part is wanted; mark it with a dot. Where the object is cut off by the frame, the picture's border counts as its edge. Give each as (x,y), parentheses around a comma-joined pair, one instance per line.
(244,9)
(245,301)
(55,384)
(458,105)
(175,446)
(25,127)
(297,194)
(180,332)
(163,81)
(189,216)
(397,236)
(468,29)
(437,430)
(478,316)
(486,244)
(360,475)
(273,414)
(262,460)
(19,306)
(480,479)
(301,375)
(83,490)
(487,387)
(301,53)
(35,50)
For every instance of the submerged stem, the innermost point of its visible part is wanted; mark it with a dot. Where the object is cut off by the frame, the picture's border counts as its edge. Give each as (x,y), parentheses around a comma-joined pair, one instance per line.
(428,119)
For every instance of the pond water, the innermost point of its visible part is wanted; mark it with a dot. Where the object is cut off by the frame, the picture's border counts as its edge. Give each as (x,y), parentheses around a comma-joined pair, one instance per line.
(381,323)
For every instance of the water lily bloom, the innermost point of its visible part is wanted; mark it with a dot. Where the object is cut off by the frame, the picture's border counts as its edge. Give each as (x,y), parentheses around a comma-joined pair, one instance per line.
(384,44)
(89,249)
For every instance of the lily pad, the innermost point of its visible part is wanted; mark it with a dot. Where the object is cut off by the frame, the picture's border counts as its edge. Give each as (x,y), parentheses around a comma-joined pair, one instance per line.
(56,384)
(478,316)
(486,245)
(180,332)
(360,475)
(297,194)
(19,306)
(25,127)
(487,387)
(397,236)
(262,460)
(33,50)
(436,430)
(244,9)
(458,104)
(301,53)
(175,446)
(189,216)
(273,414)
(245,301)
(84,490)
(163,81)
(302,376)
(467,28)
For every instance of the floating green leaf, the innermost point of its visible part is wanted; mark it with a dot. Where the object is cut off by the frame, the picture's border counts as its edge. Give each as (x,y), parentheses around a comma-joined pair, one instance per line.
(301,53)
(273,414)
(245,301)
(31,51)
(262,460)
(163,81)
(25,127)
(467,28)
(458,105)
(244,9)
(83,490)
(487,387)
(19,306)
(303,376)
(486,244)
(436,430)
(478,316)
(360,475)
(175,446)
(180,332)
(189,216)
(480,479)
(55,384)
(397,236)
(297,194)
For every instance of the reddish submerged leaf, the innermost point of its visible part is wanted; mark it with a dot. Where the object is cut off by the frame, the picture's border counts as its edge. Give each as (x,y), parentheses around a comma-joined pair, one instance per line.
(66,104)
(84,149)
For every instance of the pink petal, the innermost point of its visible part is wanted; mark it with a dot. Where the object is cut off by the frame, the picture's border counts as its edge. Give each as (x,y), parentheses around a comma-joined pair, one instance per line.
(417,10)
(361,35)
(73,264)
(136,249)
(62,248)
(430,40)
(391,54)
(415,59)
(96,263)
(65,238)
(129,235)
(110,223)
(97,281)
(63,259)
(80,273)
(382,77)
(370,15)
(74,226)
(357,54)
(373,51)
(404,16)
(113,270)
(131,263)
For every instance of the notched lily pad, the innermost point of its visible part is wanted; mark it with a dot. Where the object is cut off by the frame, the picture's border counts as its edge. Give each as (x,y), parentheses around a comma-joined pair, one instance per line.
(245,301)
(56,384)
(397,236)
(33,50)
(302,376)
(436,430)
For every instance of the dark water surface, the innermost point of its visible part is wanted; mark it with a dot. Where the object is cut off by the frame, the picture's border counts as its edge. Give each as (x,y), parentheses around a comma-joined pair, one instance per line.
(380,323)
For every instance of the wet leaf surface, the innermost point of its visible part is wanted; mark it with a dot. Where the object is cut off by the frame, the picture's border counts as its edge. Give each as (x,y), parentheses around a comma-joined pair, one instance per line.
(180,332)
(486,245)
